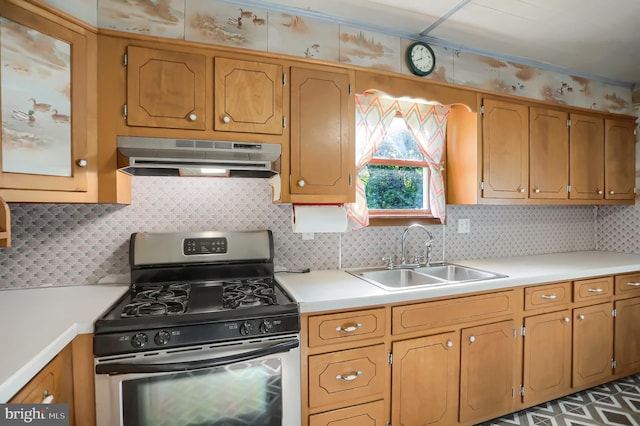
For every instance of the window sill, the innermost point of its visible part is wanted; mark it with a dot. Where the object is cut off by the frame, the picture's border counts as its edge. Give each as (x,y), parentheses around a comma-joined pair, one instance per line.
(402,220)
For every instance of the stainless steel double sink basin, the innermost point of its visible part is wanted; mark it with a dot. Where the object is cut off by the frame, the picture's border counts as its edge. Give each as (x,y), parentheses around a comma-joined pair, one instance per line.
(426,276)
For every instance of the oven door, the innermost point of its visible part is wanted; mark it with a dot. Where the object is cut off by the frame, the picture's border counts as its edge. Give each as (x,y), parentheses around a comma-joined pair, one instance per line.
(254,383)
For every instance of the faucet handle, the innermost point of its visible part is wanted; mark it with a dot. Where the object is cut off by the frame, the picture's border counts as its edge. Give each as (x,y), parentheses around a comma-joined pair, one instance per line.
(419,259)
(389,261)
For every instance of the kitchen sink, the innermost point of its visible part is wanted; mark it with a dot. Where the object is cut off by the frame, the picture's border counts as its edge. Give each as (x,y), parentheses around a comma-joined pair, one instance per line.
(457,273)
(427,276)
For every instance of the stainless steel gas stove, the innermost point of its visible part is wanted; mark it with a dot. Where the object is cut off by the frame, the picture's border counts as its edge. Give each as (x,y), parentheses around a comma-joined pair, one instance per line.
(205,327)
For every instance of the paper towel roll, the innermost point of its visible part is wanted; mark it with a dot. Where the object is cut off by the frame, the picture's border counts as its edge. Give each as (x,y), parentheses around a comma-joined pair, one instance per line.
(318,218)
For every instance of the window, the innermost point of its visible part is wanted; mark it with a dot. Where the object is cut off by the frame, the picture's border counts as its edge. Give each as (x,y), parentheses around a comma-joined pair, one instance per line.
(396,180)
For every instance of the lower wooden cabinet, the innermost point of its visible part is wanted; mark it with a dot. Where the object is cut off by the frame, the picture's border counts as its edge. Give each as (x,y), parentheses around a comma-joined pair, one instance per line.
(592,344)
(371,414)
(487,370)
(626,336)
(547,357)
(424,380)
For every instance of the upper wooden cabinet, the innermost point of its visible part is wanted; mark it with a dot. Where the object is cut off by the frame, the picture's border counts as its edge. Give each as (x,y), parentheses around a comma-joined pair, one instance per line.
(619,156)
(48,142)
(248,96)
(538,154)
(505,149)
(165,88)
(322,136)
(549,153)
(586,154)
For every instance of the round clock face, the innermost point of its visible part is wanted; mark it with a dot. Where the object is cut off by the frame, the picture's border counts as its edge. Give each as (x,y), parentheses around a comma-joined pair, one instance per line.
(421,58)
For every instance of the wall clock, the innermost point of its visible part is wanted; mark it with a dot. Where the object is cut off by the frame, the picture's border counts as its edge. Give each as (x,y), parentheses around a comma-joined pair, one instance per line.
(420,58)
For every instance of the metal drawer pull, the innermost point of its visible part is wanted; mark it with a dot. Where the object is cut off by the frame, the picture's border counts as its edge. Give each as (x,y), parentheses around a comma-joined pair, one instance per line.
(551,296)
(350,376)
(567,320)
(581,317)
(595,290)
(472,339)
(449,343)
(634,284)
(349,328)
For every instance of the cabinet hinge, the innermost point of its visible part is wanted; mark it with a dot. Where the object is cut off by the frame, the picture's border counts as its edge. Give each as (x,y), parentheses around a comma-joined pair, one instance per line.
(613,364)
(569,123)
(284,78)
(614,312)
(513,393)
(284,122)
(350,89)
(125,60)
(515,332)
(521,390)
(523,331)
(390,358)
(481,109)
(568,188)
(388,423)
(481,186)
(124,111)
(635,132)
(350,180)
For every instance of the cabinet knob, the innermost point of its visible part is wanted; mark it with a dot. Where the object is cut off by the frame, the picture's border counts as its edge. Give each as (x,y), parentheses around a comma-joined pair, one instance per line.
(472,339)
(537,190)
(522,189)
(612,192)
(47,398)
(567,320)
(301,182)
(226,119)
(81,162)
(193,117)
(581,317)
(599,191)
(449,343)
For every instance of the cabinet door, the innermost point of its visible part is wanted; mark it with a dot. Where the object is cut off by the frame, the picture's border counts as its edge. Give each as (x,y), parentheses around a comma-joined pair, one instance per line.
(44,80)
(592,344)
(248,96)
(322,134)
(619,157)
(549,153)
(547,356)
(165,89)
(627,337)
(505,149)
(586,157)
(487,371)
(424,380)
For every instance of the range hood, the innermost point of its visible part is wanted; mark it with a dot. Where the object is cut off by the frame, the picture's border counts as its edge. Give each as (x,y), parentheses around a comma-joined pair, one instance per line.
(143,156)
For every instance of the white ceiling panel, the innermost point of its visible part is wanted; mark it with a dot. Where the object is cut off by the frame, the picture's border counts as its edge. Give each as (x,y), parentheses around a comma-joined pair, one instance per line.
(593,38)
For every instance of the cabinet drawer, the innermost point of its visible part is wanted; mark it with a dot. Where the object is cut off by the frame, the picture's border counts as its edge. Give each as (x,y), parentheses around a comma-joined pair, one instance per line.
(346,327)
(347,377)
(547,295)
(53,381)
(592,289)
(427,315)
(371,414)
(628,285)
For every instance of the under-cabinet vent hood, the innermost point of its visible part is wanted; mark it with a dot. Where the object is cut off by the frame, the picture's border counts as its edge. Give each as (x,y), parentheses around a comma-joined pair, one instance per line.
(142,156)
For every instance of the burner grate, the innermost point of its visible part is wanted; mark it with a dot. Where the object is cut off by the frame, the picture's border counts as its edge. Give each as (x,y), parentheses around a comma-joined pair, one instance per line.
(239,294)
(160,299)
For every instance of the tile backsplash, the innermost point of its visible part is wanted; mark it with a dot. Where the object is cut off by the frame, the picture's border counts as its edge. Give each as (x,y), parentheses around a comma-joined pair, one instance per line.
(68,244)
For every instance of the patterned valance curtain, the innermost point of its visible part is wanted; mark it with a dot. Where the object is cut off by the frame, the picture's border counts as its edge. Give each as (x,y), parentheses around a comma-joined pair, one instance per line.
(374,115)
(427,123)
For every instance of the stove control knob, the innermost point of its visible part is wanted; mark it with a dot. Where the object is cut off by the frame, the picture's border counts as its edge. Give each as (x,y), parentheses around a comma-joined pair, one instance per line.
(246,328)
(162,338)
(139,340)
(266,326)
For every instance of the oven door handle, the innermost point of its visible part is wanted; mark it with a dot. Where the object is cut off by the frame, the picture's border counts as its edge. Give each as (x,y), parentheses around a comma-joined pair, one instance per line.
(128,368)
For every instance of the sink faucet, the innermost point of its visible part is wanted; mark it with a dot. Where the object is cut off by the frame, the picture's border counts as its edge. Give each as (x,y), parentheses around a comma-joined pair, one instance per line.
(427,244)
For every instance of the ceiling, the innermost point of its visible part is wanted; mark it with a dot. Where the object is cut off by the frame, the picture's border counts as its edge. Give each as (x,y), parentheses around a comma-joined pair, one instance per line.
(596,39)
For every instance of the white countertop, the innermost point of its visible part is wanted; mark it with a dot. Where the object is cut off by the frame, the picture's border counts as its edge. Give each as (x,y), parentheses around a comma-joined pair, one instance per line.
(335,289)
(37,323)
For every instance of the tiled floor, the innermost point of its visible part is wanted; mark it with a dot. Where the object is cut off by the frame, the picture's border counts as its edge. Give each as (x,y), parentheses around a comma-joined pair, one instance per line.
(615,404)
